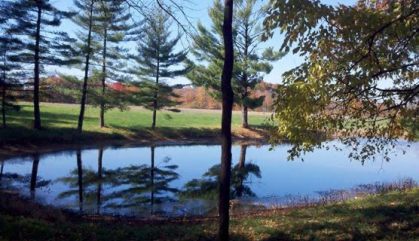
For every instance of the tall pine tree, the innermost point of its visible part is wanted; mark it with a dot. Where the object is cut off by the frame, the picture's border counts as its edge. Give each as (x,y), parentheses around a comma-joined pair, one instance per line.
(34,22)
(250,64)
(11,71)
(112,29)
(85,20)
(157,60)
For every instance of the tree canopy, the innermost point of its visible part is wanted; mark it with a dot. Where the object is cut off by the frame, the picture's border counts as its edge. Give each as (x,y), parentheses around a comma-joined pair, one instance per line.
(359,77)
(156,61)
(250,63)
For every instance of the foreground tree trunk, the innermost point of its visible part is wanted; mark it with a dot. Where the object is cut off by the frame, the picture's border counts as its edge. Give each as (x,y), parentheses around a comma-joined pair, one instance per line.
(37,112)
(102,105)
(86,71)
(228,97)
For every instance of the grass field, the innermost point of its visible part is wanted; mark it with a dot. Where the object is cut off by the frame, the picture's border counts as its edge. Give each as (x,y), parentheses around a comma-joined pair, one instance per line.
(66,116)
(390,216)
(60,121)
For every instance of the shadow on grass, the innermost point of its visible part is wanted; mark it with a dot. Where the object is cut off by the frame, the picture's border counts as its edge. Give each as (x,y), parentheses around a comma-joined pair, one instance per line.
(382,217)
(170,132)
(14,135)
(344,222)
(25,118)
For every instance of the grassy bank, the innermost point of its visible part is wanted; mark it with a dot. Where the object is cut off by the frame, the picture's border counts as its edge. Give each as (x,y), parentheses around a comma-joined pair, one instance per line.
(60,120)
(390,216)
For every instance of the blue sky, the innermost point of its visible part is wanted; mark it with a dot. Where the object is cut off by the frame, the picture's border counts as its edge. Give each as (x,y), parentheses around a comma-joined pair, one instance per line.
(197,10)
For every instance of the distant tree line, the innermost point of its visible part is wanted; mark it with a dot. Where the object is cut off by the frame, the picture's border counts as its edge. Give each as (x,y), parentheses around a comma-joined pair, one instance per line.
(55,89)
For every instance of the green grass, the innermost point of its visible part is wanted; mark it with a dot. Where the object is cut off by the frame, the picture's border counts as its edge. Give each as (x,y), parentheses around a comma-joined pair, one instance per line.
(66,116)
(390,216)
(60,121)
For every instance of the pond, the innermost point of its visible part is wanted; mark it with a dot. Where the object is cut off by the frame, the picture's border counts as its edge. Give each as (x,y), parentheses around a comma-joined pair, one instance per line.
(182,180)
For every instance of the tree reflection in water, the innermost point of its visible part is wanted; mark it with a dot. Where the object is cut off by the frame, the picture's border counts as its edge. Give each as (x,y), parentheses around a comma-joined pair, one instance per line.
(86,184)
(146,184)
(133,186)
(207,186)
(32,180)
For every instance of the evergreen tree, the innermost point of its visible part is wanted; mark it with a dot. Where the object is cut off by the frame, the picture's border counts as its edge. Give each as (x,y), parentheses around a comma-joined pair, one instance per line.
(156,58)
(34,22)
(85,19)
(112,30)
(250,64)
(10,69)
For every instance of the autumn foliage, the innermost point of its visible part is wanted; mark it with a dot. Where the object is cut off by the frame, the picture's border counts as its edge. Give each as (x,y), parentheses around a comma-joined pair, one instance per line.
(198,97)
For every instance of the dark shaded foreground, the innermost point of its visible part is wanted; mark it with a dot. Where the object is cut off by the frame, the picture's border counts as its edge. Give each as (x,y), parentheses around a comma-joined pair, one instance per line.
(390,216)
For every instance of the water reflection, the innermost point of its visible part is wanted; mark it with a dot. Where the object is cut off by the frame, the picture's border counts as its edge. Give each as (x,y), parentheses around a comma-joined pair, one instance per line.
(31,181)
(145,184)
(184,180)
(131,186)
(1,171)
(241,177)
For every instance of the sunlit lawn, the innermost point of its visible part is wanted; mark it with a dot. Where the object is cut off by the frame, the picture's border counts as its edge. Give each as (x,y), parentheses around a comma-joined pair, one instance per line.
(60,121)
(66,116)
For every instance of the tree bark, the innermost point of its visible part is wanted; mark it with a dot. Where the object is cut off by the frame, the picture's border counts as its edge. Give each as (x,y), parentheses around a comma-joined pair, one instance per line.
(34,175)
(153,125)
(99,182)
(86,71)
(102,105)
(245,123)
(227,104)
(80,179)
(37,112)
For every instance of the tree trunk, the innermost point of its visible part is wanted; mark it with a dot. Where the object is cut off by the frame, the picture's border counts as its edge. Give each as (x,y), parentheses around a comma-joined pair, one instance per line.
(245,124)
(80,179)
(34,175)
(153,125)
(3,105)
(227,103)
(99,182)
(102,105)
(37,112)
(86,71)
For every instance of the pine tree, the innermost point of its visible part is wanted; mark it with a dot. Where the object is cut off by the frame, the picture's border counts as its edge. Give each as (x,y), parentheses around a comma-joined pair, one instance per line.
(10,69)
(34,22)
(11,73)
(156,58)
(249,64)
(112,30)
(85,19)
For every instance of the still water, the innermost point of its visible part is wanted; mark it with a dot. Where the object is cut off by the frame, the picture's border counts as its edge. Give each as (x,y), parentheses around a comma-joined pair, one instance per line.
(182,180)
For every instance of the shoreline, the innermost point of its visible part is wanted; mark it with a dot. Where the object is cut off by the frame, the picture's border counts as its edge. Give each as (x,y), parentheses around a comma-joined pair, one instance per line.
(28,149)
